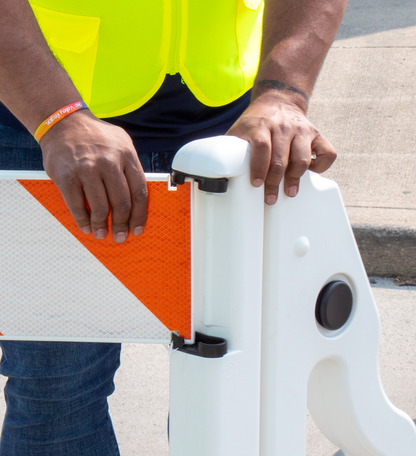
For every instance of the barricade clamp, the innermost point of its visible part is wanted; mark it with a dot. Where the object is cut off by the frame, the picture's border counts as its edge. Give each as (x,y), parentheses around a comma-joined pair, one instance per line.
(204,346)
(205,184)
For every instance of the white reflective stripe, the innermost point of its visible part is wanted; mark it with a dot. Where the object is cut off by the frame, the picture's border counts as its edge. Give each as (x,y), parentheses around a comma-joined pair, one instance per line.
(41,175)
(53,287)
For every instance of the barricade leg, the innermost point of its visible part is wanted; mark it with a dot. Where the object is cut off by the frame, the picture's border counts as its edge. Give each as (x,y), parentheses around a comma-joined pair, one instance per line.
(348,404)
(321,334)
(215,402)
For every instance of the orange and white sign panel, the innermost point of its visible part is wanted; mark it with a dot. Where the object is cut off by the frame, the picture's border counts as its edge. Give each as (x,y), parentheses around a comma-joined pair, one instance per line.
(59,284)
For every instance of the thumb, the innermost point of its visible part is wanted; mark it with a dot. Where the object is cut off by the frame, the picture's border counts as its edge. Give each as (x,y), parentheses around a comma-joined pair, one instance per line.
(323,154)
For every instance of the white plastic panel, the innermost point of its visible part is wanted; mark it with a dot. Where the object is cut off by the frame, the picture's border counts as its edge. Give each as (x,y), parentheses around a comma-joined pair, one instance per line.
(52,287)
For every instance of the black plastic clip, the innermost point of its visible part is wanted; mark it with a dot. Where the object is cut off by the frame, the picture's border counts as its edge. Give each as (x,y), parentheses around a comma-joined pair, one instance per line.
(204,346)
(206,184)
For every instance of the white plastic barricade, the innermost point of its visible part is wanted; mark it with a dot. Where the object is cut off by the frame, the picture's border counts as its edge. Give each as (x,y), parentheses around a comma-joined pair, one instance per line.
(321,333)
(320,326)
(267,308)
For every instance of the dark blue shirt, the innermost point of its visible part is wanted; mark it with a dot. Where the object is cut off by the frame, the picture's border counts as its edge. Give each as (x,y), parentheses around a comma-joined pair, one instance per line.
(170,119)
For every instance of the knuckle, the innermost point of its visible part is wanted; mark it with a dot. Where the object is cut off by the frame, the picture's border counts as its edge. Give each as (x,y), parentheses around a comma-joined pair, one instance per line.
(284,128)
(111,161)
(302,131)
(123,207)
(99,215)
(132,160)
(140,195)
(86,164)
(109,166)
(301,163)
(65,177)
(271,189)
(260,143)
(117,226)
(277,167)
(79,214)
(304,128)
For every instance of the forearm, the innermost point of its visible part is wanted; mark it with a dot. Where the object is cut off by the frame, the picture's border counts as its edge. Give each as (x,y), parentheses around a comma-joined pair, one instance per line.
(284,143)
(296,37)
(88,159)
(33,84)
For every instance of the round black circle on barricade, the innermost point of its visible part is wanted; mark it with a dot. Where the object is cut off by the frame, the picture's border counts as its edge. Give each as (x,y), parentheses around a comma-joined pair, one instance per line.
(334,305)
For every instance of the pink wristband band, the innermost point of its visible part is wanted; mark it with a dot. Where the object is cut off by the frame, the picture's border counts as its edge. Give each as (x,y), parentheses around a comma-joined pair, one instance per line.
(45,126)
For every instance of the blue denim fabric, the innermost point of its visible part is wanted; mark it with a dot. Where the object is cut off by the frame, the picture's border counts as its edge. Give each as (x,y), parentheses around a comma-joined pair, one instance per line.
(56,393)
(56,397)
(19,151)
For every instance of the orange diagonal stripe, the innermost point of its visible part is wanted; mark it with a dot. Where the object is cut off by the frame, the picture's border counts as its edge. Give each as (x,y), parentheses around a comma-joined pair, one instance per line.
(156,267)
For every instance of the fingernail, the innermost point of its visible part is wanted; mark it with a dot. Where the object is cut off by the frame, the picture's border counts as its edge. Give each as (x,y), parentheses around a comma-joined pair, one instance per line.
(257,182)
(271,199)
(101,234)
(138,230)
(121,237)
(293,191)
(86,229)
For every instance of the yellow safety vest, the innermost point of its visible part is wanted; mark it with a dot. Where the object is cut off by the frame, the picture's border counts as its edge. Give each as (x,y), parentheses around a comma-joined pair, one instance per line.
(118,52)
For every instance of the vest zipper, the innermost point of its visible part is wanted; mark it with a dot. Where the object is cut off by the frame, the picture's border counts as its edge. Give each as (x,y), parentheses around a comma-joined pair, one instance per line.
(175,37)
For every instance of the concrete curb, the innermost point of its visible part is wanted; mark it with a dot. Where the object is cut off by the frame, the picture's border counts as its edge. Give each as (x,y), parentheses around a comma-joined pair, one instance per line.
(387,251)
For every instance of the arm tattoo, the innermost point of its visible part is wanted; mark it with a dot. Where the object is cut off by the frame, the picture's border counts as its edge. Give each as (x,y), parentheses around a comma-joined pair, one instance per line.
(277,85)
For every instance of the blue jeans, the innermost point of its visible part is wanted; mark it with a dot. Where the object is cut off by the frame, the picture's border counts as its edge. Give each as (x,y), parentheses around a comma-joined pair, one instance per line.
(56,392)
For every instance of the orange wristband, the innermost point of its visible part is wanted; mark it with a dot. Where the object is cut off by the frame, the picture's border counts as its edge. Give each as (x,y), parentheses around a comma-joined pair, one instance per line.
(44,127)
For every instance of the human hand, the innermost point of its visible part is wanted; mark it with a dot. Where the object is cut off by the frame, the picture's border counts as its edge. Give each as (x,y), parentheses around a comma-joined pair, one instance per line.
(284,144)
(91,160)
